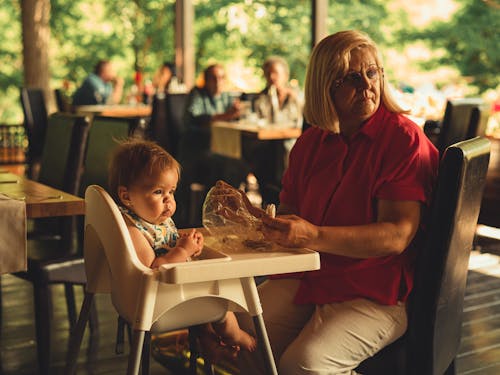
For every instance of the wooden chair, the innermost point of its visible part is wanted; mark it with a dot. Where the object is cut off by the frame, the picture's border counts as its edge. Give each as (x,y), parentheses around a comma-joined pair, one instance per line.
(435,307)
(35,125)
(56,260)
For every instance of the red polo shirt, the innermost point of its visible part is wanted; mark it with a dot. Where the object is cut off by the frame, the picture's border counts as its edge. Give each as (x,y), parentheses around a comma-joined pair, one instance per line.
(333,181)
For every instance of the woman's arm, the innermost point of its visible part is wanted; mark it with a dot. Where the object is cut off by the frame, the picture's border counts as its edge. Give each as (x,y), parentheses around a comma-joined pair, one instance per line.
(396,225)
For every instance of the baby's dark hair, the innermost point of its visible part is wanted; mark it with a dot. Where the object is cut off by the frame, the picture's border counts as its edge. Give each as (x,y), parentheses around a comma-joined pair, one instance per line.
(133,159)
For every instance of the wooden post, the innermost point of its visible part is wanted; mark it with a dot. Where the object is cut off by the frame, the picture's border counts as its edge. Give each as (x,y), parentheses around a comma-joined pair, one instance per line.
(184,42)
(319,17)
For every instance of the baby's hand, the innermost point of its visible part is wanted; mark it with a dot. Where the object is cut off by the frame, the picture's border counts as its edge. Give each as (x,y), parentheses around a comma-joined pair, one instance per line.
(192,242)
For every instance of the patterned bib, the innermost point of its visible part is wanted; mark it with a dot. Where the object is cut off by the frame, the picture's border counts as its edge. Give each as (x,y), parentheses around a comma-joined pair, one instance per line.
(159,236)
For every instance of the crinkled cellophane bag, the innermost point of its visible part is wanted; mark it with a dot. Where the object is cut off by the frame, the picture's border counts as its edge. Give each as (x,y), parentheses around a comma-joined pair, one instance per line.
(229,222)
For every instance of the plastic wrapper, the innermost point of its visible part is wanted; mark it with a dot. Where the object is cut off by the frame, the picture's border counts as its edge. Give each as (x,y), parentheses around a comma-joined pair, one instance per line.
(228,220)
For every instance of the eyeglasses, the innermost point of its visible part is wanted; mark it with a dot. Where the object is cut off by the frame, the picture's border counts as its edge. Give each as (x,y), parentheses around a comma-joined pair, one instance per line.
(356,79)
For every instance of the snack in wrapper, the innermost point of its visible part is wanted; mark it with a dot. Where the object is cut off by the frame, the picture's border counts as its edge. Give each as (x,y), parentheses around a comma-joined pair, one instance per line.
(226,216)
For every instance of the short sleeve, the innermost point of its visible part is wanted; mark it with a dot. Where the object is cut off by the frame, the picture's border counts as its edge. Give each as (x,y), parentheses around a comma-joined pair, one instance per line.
(409,169)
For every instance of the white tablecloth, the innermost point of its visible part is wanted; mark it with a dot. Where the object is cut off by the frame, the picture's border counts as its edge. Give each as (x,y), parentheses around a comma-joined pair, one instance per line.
(12,235)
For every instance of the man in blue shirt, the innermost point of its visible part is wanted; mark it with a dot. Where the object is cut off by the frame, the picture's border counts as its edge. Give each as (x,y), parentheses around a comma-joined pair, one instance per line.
(100,87)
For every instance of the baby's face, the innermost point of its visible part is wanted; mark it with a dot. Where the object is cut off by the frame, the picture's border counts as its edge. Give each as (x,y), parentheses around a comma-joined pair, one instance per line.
(152,197)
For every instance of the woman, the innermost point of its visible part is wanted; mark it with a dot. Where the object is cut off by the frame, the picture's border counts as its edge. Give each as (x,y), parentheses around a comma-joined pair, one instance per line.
(353,191)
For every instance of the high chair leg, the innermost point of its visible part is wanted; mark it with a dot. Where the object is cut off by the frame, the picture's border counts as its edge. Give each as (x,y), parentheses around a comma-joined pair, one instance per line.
(263,340)
(77,335)
(134,359)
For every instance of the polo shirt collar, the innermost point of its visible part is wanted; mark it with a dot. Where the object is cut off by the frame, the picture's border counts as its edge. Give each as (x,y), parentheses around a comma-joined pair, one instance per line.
(370,128)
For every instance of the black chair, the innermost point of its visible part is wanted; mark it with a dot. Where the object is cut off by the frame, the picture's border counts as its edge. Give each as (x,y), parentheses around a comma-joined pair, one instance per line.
(63,101)
(35,125)
(176,106)
(57,259)
(463,119)
(435,307)
(160,128)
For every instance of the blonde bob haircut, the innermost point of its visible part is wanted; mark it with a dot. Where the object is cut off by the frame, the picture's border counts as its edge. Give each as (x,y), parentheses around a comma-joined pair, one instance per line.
(329,62)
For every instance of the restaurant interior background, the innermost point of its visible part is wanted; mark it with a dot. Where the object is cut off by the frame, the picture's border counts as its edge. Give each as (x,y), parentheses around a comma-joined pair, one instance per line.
(434,50)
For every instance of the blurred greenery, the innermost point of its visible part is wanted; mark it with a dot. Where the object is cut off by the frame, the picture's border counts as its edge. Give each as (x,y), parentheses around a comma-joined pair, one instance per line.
(139,34)
(470,42)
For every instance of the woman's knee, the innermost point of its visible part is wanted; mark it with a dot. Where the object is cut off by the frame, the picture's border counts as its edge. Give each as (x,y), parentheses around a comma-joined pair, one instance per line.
(301,360)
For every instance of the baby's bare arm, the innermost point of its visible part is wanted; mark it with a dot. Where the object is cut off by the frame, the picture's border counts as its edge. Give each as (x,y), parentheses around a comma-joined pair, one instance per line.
(188,244)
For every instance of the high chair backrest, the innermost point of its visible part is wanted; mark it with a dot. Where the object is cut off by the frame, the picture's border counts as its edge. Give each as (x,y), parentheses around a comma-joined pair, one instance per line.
(111,263)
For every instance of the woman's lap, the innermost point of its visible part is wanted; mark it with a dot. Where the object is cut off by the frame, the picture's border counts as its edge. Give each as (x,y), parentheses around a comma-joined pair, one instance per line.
(325,339)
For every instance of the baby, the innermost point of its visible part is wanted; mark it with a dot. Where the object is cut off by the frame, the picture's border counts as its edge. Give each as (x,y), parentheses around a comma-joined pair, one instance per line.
(143,178)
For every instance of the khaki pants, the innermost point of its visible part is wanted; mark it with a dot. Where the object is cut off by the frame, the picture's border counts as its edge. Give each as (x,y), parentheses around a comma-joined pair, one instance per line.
(320,339)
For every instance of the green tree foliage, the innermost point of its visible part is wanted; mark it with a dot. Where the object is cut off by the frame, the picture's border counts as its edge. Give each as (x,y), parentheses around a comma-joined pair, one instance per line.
(11,67)
(139,34)
(252,31)
(469,41)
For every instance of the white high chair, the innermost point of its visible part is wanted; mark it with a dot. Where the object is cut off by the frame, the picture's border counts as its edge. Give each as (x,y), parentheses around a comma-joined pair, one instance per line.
(173,296)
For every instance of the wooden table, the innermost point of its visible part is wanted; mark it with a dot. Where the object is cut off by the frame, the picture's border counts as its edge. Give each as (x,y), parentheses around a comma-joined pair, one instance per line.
(266,132)
(226,136)
(118,110)
(41,200)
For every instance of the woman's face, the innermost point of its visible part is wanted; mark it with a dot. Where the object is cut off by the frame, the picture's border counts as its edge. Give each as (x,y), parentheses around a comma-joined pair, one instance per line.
(152,198)
(357,96)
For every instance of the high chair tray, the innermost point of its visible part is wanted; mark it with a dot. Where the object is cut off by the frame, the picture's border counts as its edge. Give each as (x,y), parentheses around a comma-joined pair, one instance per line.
(215,265)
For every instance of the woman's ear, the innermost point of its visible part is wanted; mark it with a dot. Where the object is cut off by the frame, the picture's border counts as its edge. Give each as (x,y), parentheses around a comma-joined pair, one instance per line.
(124,196)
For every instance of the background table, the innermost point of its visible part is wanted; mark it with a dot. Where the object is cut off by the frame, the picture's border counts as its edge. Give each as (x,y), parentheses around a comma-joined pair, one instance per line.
(41,200)
(119,110)
(226,135)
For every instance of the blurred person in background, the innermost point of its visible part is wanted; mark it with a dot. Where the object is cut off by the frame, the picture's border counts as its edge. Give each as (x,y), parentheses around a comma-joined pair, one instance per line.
(278,102)
(163,77)
(102,86)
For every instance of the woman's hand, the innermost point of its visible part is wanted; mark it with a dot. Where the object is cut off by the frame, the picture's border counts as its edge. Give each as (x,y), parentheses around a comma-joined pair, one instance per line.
(289,230)
(191,242)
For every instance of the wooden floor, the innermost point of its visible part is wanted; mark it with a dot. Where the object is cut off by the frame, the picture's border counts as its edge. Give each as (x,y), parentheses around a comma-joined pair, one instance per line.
(479,351)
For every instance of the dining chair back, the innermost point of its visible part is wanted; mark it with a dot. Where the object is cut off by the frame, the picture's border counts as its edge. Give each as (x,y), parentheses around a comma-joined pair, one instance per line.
(143,296)
(160,129)
(63,102)
(55,260)
(35,125)
(104,135)
(463,119)
(176,107)
(435,307)
(61,163)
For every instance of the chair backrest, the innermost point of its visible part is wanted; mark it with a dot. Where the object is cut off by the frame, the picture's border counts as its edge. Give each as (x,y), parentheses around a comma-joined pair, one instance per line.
(35,120)
(63,151)
(461,120)
(176,107)
(111,263)
(104,135)
(159,129)
(436,304)
(61,163)
(62,100)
